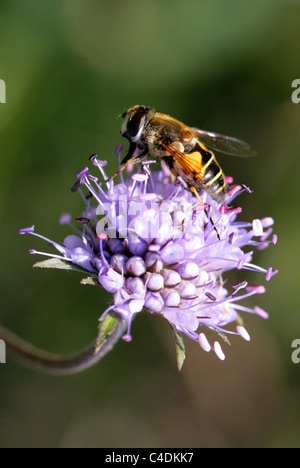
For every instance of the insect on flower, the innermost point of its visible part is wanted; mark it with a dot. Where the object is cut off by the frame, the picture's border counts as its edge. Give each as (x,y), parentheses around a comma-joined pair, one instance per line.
(152,249)
(184,149)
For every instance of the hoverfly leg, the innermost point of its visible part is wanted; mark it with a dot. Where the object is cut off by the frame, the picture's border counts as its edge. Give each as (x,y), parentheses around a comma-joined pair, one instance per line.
(130,153)
(195,192)
(129,159)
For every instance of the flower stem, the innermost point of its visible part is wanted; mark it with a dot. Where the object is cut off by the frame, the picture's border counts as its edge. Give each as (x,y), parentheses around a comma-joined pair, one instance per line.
(56,364)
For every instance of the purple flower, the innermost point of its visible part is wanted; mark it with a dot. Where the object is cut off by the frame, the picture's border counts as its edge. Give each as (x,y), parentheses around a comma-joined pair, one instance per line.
(149,243)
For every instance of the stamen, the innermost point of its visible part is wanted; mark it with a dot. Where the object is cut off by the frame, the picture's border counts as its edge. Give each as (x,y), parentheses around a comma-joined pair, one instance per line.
(102,236)
(58,247)
(65,219)
(257,227)
(267,222)
(230,238)
(127,338)
(94,193)
(210,296)
(203,342)
(29,230)
(148,196)
(270,273)
(247,188)
(45,254)
(148,163)
(252,267)
(261,312)
(93,157)
(260,289)
(139,177)
(266,234)
(243,333)
(102,254)
(224,209)
(82,173)
(239,286)
(93,178)
(233,191)
(106,312)
(119,149)
(229,180)
(218,350)
(202,207)
(76,186)
(129,168)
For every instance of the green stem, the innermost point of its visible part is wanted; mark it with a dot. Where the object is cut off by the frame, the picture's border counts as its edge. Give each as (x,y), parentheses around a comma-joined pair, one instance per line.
(55,364)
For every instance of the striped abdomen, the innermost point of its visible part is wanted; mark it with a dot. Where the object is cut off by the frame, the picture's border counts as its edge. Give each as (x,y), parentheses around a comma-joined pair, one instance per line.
(213,179)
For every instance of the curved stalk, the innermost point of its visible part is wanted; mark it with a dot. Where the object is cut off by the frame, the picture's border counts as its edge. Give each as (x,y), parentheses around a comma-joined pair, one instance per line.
(55,364)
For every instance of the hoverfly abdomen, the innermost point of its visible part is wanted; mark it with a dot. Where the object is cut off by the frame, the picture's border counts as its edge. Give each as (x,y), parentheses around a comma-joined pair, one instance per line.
(213,179)
(216,187)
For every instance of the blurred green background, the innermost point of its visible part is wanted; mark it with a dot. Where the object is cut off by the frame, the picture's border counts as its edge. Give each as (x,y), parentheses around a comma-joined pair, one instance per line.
(71,67)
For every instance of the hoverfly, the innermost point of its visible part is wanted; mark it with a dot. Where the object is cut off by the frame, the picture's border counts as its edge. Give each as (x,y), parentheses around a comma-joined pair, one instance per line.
(187,151)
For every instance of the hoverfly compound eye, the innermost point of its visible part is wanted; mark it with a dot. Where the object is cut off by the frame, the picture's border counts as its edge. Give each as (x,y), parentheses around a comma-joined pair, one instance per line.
(134,123)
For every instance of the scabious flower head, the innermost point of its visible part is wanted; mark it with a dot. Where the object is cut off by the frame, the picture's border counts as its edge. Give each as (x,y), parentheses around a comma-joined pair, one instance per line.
(149,243)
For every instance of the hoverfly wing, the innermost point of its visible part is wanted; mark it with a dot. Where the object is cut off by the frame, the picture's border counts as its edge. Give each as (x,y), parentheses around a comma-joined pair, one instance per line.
(190,165)
(224,144)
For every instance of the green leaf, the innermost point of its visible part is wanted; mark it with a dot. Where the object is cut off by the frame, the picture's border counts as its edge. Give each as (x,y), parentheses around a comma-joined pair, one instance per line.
(90,281)
(180,348)
(60,265)
(106,328)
